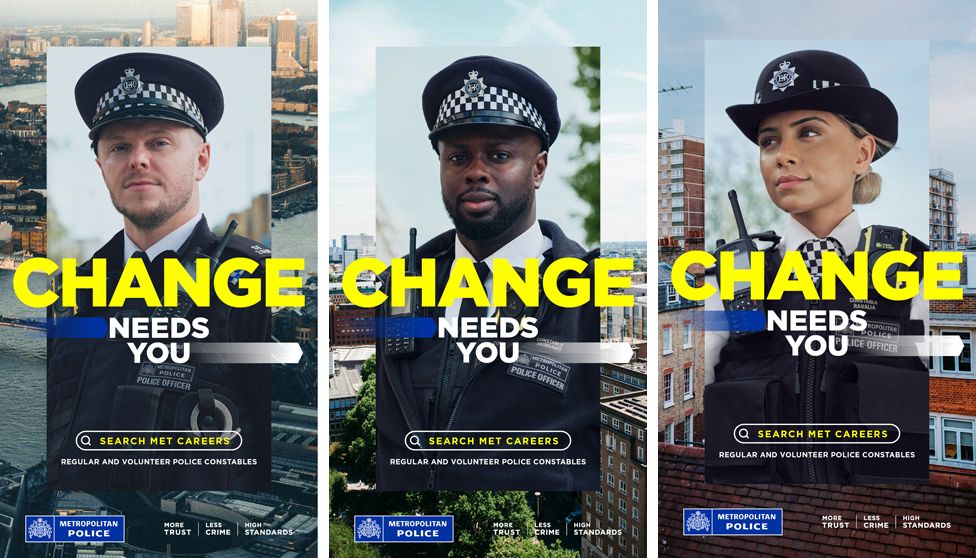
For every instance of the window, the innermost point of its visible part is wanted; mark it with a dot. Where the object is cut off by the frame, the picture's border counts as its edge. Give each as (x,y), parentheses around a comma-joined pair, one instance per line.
(931,437)
(623,449)
(622,505)
(664,174)
(664,160)
(623,469)
(957,439)
(606,387)
(962,364)
(622,485)
(666,341)
(677,173)
(627,429)
(689,378)
(616,390)
(668,437)
(636,495)
(589,500)
(678,187)
(640,450)
(636,477)
(665,217)
(677,231)
(640,434)
(678,216)
(610,480)
(610,461)
(610,503)
(611,443)
(636,515)
(677,159)
(672,294)
(603,418)
(689,428)
(664,202)
(676,144)
(616,423)
(599,508)
(686,336)
(668,394)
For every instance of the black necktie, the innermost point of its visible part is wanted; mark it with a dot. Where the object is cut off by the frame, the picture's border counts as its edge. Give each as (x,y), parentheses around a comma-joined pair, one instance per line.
(468,308)
(813,251)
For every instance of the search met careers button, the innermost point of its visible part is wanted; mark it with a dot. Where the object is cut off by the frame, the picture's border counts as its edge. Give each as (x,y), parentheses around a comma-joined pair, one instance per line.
(488,440)
(816,433)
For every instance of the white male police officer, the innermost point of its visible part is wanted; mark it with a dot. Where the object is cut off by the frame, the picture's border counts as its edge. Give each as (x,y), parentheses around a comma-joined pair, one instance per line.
(149,116)
(492,123)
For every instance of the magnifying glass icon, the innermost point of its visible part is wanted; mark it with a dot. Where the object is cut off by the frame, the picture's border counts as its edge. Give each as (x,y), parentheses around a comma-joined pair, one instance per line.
(85,440)
(415,440)
(743,433)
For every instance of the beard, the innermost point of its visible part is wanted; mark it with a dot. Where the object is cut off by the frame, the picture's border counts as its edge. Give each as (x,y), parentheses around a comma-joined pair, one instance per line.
(506,215)
(165,209)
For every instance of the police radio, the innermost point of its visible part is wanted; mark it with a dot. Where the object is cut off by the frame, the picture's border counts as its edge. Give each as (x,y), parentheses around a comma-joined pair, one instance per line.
(398,342)
(189,262)
(742,247)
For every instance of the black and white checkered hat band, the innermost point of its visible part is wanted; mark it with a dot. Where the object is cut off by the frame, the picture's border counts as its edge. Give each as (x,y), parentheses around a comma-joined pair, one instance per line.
(152,94)
(493,99)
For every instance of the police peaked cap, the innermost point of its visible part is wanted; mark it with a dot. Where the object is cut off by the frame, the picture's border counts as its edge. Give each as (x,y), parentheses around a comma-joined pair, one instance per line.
(488,90)
(817,80)
(148,85)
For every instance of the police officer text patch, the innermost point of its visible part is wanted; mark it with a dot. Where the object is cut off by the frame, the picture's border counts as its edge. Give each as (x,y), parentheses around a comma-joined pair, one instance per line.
(166,375)
(543,370)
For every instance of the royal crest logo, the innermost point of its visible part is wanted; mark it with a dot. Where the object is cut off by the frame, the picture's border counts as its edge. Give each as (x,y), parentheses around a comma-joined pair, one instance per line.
(697,523)
(784,76)
(131,84)
(40,529)
(369,529)
(474,86)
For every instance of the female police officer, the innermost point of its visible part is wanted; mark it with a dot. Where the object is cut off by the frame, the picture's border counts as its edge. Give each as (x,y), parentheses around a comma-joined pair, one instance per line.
(819,125)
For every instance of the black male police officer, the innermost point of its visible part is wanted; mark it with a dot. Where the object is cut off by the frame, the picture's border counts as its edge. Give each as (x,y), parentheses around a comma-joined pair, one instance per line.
(149,116)
(491,124)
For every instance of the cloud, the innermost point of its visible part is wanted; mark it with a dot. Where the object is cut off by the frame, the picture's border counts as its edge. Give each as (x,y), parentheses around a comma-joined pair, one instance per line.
(637,76)
(356,32)
(531,20)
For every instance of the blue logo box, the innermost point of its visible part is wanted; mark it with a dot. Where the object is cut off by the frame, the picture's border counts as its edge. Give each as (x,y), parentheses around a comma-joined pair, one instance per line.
(746,522)
(74,528)
(403,528)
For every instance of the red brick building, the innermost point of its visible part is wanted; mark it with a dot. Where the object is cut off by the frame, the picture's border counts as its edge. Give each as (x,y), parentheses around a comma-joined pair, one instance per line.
(948,500)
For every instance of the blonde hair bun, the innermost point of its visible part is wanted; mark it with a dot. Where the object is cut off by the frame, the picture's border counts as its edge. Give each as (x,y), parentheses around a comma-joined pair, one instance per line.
(867,187)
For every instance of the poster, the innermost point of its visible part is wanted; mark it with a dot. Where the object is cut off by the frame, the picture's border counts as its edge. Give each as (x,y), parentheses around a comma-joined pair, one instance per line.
(788,490)
(511,435)
(148,419)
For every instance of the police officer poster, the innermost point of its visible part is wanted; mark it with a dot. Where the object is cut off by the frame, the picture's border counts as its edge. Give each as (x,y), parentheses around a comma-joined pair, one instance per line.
(165,393)
(828,413)
(477,228)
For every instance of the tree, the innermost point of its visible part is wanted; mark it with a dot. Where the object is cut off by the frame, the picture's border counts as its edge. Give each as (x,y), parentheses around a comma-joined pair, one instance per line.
(342,545)
(369,368)
(360,433)
(586,181)
(508,547)
(337,490)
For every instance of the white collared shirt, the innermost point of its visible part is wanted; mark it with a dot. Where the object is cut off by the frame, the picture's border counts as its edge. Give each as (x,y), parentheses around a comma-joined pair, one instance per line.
(847,232)
(530,244)
(173,241)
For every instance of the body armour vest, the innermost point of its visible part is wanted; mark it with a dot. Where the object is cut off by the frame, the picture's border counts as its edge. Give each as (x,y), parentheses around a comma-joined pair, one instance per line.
(758,381)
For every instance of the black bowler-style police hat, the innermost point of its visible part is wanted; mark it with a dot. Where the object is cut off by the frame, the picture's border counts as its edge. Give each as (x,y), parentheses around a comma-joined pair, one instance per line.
(817,80)
(489,90)
(148,85)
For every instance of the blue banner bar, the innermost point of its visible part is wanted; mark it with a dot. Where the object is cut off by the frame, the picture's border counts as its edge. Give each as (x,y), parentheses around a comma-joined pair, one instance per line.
(745,320)
(405,327)
(77,328)
(733,521)
(74,529)
(403,528)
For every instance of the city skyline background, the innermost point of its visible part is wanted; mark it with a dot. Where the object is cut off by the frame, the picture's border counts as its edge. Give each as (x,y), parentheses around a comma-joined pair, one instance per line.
(99,11)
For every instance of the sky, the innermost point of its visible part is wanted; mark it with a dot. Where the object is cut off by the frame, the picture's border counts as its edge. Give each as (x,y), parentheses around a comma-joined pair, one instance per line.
(358,28)
(949,27)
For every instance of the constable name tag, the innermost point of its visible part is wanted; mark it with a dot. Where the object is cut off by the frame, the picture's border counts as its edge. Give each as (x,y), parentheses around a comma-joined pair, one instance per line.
(74,528)
(733,521)
(541,369)
(403,528)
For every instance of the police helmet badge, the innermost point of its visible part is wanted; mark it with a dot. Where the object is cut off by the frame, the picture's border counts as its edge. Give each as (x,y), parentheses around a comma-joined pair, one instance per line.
(131,84)
(474,86)
(784,76)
